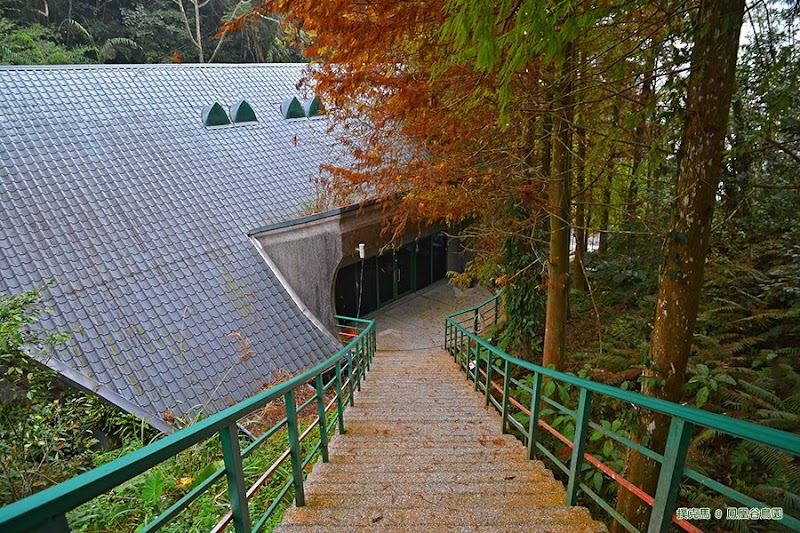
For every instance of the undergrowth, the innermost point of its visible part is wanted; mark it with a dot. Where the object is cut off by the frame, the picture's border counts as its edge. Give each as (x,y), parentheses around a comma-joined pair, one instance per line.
(50,433)
(745,364)
(137,502)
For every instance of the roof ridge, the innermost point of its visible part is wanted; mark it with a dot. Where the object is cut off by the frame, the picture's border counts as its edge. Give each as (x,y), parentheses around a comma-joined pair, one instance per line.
(137,66)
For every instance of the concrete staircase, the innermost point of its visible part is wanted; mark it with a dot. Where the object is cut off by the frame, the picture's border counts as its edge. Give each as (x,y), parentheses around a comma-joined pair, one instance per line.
(422,453)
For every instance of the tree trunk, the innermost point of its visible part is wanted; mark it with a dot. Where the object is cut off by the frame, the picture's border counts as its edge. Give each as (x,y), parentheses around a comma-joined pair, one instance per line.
(559,200)
(198,34)
(195,36)
(587,233)
(602,247)
(708,101)
(578,277)
(633,191)
(605,208)
(737,183)
(639,138)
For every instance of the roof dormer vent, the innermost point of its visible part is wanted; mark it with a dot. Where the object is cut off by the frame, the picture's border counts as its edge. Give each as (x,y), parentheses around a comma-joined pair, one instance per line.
(292,108)
(312,107)
(214,116)
(242,113)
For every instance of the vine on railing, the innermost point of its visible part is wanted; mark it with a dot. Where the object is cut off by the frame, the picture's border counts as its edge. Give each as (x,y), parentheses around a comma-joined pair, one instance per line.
(339,377)
(492,372)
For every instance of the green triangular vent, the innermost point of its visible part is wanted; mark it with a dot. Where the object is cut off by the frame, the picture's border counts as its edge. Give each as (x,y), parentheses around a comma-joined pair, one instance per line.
(242,112)
(292,108)
(313,107)
(215,115)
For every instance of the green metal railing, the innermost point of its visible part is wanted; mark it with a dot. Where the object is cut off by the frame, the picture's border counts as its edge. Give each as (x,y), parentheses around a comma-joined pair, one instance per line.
(339,376)
(491,370)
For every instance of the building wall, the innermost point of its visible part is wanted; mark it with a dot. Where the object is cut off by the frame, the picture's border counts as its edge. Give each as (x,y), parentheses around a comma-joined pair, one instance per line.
(306,256)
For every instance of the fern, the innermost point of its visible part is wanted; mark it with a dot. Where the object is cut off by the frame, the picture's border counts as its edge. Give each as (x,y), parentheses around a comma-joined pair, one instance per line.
(104,52)
(767,398)
(780,465)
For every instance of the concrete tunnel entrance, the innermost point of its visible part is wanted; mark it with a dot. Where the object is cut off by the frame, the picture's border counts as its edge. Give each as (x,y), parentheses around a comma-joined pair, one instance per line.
(316,258)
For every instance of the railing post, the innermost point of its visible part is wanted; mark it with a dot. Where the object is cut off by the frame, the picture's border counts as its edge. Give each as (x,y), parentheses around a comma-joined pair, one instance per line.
(461,348)
(232,457)
(456,343)
(488,376)
(477,365)
(352,378)
(669,479)
(475,322)
(467,356)
(506,387)
(496,308)
(358,369)
(295,453)
(364,359)
(339,403)
(533,424)
(362,350)
(578,445)
(323,422)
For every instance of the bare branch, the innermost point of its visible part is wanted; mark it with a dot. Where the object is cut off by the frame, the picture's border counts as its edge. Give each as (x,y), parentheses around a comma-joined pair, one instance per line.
(46,12)
(783,148)
(216,48)
(188,28)
(787,187)
(199,38)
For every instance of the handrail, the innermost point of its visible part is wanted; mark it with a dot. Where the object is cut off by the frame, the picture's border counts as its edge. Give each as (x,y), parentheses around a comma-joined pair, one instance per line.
(46,510)
(481,363)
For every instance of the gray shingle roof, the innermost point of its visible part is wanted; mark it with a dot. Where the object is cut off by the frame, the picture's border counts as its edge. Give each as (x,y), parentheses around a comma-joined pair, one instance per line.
(112,186)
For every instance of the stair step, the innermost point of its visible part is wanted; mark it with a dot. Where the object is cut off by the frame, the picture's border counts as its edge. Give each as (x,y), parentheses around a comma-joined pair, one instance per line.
(367,460)
(448,500)
(478,515)
(345,453)
(458,444)
(403,431)
(343,475)
(527,527)
(426,486)
(388,403)
(461,443)
(464,414)
(480,421)
(495,470)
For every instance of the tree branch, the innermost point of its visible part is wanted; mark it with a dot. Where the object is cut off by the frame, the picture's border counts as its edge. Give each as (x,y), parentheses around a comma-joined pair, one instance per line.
(46,12)
(776,187)
(216,49)
(199,37)
(783,148)
(188,27)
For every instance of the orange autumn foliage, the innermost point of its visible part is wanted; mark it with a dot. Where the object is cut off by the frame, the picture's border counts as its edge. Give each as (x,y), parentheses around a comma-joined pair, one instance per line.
(419,129)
